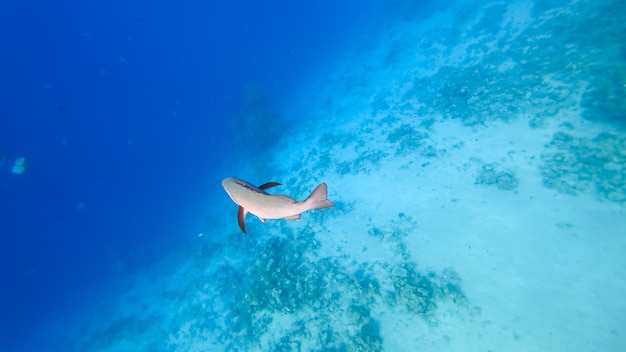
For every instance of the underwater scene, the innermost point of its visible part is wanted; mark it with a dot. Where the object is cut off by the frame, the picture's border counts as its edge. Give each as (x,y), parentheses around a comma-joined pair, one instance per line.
(437,176)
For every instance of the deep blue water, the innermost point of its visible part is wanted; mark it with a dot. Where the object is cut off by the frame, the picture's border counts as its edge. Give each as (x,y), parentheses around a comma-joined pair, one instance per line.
(123,112)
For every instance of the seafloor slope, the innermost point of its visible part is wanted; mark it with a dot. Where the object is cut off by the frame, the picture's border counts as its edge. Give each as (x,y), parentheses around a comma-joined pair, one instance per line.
(477,160)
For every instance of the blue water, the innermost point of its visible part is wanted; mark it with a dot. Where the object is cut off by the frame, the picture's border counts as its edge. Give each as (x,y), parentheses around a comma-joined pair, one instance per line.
(118,236)
(123,112)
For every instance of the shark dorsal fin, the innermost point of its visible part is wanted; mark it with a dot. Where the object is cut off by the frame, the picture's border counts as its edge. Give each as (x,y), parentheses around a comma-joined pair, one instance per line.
(269,185)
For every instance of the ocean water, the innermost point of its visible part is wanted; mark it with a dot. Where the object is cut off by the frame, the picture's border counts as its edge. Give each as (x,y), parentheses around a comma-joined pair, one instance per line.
(475,153)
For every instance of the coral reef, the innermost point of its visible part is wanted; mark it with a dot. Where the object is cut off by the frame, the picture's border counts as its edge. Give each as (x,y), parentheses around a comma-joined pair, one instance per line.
(525,71)
(287,279)
(419,293)
(363,164)
(407,139)
(491,174)
(573,165)
(281,295)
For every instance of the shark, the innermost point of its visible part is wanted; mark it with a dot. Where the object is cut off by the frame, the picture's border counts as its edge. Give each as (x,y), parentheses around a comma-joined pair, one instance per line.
(255,200)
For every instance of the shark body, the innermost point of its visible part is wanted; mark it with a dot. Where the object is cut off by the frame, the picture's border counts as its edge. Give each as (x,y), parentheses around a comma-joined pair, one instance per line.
(257,201)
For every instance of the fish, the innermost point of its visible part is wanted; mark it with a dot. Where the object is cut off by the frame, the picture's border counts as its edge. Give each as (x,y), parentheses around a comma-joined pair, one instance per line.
(256,201)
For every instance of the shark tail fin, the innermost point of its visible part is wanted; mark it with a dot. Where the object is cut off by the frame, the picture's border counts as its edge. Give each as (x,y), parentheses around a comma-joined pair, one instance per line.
(318,198)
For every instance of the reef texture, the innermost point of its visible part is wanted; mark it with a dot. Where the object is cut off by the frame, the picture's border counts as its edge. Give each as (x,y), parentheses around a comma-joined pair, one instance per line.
(573,165)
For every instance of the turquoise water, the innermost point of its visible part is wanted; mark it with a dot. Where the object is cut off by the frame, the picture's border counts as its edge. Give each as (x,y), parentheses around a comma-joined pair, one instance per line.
(475,153)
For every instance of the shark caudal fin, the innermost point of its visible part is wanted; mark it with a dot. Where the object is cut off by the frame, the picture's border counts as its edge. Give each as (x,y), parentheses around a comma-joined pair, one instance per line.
(317,199)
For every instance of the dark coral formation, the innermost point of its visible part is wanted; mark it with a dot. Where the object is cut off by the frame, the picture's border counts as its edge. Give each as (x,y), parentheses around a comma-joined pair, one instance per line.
(366,161)
(573,165)
(288,278)
(407,139)
(493,174)
(419,293)
(542,68)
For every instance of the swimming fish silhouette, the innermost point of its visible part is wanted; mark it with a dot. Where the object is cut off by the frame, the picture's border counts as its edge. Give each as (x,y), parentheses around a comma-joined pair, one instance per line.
(257,201)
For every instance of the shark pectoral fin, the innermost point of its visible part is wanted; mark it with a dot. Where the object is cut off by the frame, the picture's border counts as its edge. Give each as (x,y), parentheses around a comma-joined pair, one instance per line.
(293,217)
(269,185)
(241,218)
